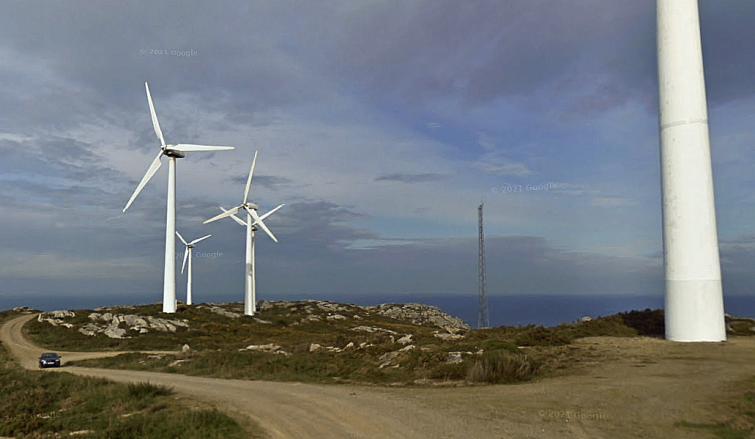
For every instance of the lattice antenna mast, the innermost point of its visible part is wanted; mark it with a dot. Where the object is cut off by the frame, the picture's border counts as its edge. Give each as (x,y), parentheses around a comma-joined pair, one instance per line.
(482,316)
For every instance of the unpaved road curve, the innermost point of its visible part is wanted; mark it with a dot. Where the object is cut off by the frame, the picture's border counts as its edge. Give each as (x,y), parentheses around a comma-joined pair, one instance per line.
(284,410)
(625,388)
(28,354)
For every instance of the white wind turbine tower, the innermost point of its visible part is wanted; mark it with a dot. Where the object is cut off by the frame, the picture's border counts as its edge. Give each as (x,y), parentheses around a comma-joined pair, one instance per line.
(187,254)
(694,294)
(173,152)
(253,219)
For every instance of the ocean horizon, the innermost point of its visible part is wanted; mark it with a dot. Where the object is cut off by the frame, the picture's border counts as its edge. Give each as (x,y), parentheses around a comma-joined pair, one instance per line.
(513,310)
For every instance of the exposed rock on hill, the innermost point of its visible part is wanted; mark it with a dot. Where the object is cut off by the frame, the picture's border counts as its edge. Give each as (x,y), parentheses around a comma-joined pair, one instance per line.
(739,325)
(419,314)
(305,311)
(415,313)
(55,318)
(109,324)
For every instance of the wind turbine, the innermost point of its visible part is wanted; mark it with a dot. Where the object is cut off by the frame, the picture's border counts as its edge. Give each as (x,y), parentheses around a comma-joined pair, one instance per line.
(694,310)
(187,253)
(173,152)
(253,219)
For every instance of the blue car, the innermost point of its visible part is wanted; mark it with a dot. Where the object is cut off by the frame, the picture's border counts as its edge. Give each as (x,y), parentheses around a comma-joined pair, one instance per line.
(49,359)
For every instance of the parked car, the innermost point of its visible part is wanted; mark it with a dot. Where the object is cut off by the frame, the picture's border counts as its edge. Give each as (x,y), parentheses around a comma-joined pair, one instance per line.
(49,359)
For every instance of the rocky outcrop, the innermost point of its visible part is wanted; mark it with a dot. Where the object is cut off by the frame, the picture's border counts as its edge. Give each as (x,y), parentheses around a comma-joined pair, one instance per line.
(415,313)
(736,325)
(270,348)
(405,339)
(110,324)
(454,358)
(55,318)
(419,314)
(373,329)
(387,358)
(447,336)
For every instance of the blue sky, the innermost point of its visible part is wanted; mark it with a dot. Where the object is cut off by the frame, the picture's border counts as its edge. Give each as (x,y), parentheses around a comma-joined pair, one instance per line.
(380,124)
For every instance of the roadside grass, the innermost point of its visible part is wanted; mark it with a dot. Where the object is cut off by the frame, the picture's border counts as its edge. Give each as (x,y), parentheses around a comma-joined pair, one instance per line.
(502,367)
(46,404)
(504,354)
(741,415)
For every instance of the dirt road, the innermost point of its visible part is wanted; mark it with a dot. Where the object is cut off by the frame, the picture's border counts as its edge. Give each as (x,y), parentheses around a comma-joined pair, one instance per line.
(628,388)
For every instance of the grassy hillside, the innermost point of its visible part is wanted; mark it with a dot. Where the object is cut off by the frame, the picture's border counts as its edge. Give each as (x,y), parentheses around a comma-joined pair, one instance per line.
(44,404)
(304,341)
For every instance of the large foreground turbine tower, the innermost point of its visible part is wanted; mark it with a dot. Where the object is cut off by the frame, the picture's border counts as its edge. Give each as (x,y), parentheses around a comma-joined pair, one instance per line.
(694,297)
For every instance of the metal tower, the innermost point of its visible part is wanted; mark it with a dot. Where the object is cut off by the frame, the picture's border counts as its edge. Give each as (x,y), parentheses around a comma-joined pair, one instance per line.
(482,316)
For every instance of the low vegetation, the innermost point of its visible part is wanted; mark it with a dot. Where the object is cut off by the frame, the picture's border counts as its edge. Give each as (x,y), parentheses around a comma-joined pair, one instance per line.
(302,341)
(45,404)
(740,422)
(502,367)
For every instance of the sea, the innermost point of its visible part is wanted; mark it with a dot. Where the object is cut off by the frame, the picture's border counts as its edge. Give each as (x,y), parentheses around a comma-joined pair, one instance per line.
(512,310)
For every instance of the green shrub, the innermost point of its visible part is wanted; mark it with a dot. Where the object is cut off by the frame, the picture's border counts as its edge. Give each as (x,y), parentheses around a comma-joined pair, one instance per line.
(501,367)
(611,326)
(650,323)
(147,390)
(541,336)
(447,371)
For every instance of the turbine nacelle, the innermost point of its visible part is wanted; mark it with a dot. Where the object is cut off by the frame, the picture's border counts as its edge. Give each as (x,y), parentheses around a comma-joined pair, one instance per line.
(173,153)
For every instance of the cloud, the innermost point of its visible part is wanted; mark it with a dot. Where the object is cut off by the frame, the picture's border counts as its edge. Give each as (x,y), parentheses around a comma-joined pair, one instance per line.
(611,202)
(67,267)
(510,168)
(270,182)
(411,178)
(481,51)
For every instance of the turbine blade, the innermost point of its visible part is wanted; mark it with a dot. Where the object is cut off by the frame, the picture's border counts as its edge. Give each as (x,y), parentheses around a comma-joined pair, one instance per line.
(200,239)
(190,147)
(224,214)
(270,213)
(186,255)
(147,176)
(249,180)
(235,218)
(155,123)
(181,238)
(258,220)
